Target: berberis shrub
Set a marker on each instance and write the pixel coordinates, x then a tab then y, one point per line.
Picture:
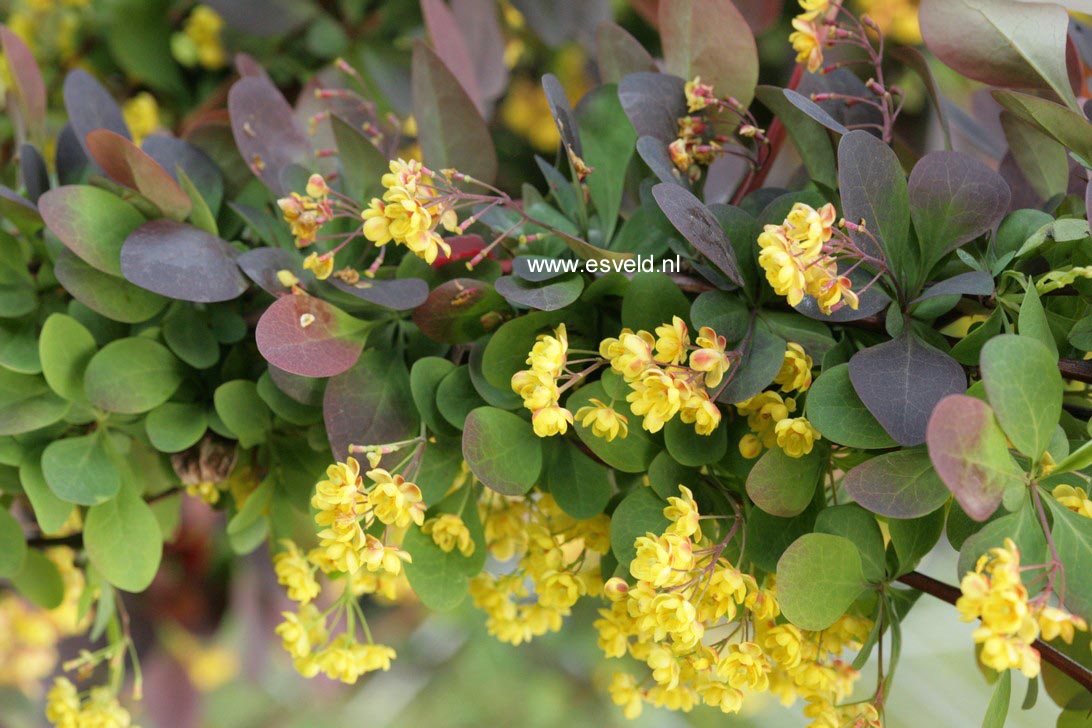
328	308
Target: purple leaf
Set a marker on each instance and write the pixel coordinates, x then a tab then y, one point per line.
480	26
171	153
261	266
971	283
32	170
899	484
90	107
954	198
30	90
653	102
900	381
562	111
699	226
619	54
305	335
451	47
460	310
873	189
183	262
370	404
814	110
266	131
263	17
970	454
711	39
397	294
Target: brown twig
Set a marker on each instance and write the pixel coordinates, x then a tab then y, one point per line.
949	593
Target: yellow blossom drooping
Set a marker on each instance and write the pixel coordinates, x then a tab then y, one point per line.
604	420
682	590
538	385
394	500
409	212
672	341
995	594
295	573
449	532
807	41
1074	498
795	374
710	357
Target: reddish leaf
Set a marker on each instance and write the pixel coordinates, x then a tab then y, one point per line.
126	164
970	454
261	266
181	261
711	39
451	47
370	404
484	39
460	310
266	131
397	294
307	336
30	90
90	107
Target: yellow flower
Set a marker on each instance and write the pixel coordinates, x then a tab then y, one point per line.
295	573
750	446
604	421
448	531
763	412
778	256
321	265
1073	498
810	228
551	420
301	633
380	557
630	354
698	94
657	397
662	560
813	8
1054	622
558	590
745	666
701	412
795	374
711	357
203	29
625	692
549	352
63	704
831	291
796	436
141	114
682	511
671	342
395	501
805	41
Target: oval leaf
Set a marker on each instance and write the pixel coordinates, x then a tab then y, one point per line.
818	577
305	335
181	261
501	450
900	484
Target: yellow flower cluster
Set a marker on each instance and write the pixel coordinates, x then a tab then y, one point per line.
662	385
141	114
306	214
29	634
200	41
898	19
558	562
538	386
1074	498
49	28
810	33
345	507
449	532
995	594
100	709
793	256
410	211
768	412
604	421
709	634
691	150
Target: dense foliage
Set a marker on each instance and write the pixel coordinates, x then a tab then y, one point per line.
729	358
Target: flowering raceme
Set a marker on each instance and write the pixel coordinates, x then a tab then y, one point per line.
995	594
409	212
683	590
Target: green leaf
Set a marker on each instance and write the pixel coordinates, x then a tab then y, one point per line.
51	512
425	378
998	709
711	39
651	300
608	140
113	297
618	53
139	37
175	426
502	450
451	131
81	469
256	506
1013	44
26	403
809	137
201	216
132	375
362	165
243	411
665	475
1066	126
39	580
970	454
899	484
438	577
1043	161
506	352
836	411
783	486
818	577
284	406
1079	459
188	335
13	545
641	512
1072	534
580	485
456	396
65	347
630	454
1025	390
859	526
19	345
915	537
1032	321
690	448
91	222
123	541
